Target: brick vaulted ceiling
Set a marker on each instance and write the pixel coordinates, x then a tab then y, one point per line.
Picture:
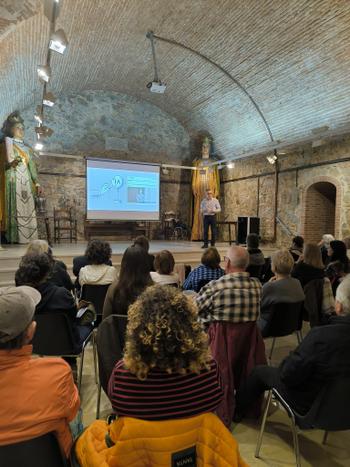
293	57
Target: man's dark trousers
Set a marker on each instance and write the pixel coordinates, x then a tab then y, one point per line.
209	221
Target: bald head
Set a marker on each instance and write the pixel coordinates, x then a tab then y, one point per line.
238	259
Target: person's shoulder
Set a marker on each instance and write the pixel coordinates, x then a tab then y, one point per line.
50	368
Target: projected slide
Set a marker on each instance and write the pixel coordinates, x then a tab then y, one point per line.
122	190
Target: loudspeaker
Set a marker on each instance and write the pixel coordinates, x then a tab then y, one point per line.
245	226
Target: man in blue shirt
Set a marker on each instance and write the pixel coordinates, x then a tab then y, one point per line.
209	208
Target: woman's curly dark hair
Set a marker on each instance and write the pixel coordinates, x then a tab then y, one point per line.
98	252
33	270
163	332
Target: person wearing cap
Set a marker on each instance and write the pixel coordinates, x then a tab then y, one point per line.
37	395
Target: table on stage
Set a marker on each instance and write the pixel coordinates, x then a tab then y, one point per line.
229	224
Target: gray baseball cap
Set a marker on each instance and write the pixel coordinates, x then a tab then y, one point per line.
17	307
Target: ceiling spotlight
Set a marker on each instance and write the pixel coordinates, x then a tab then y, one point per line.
44	72
230	165
43	131
51	9
38	117
156	85
58	41
49	99
272	159
38	146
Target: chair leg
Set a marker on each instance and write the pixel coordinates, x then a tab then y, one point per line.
299	337
94	350
80	376
272	347
325	436
98	404
295	441
263	422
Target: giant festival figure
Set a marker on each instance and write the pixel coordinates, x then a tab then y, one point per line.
18	184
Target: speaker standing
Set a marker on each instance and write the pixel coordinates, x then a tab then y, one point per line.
209	208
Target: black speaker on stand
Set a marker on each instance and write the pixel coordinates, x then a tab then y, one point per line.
245	226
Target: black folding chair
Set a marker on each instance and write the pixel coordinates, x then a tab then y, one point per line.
110	341
256	271
286	319
95	294
54	337
330	412
43	451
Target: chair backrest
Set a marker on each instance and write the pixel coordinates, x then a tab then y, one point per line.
331	408
53	335
95	294
255	270
286	318
110	345
313	291
63	214
43	451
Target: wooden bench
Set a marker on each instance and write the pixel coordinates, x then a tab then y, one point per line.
115	229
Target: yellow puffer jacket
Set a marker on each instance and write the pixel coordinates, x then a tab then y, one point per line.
140	443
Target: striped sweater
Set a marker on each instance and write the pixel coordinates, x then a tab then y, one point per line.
164	396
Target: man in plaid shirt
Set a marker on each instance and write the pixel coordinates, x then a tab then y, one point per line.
234	297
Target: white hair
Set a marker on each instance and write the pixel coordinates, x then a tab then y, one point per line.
327	239
343	294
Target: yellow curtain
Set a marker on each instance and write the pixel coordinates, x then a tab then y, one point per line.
202	179
2	186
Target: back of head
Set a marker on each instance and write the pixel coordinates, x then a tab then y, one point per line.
239	258
343	295
164	262
142	242
252	241
282	262
312	255
33	270
211	258
164	333
37	247
339	251
327	239
98	252
298	242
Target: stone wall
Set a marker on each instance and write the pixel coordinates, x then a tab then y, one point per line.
109	125
248	189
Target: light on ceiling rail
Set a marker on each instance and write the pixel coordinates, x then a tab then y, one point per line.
51	8
43	131
272	159
231	165
38	146
58	41
156	85
49	99
44	72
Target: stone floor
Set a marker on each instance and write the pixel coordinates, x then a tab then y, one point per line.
277	447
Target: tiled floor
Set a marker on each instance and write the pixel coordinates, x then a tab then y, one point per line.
277	448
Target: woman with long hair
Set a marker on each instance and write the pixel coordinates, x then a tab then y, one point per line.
134	277
167	371
309	265
338	265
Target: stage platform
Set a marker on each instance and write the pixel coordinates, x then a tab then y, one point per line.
184	252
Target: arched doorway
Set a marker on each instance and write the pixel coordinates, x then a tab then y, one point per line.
320	211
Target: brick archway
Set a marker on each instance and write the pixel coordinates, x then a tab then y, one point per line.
320	214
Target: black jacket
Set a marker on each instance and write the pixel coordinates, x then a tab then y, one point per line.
322	355
59	276
306	273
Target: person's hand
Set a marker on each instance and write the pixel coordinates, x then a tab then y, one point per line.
273	278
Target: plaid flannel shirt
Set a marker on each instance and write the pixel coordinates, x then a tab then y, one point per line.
234	297
201	273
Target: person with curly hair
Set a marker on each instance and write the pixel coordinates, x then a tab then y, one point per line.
98	271
167	371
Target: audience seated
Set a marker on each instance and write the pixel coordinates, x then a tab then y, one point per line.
338	264
323	355
34	271
282	288
230	306
38	394
256	256
209	270
143	242
235	297
164	269
134	277
167	371
59	275
296	250
309	265
324	245
98	271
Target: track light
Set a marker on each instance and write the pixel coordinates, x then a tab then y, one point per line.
43	131
272	159
44	72
58	41
49	99
230	165
52	9
38	146
38	118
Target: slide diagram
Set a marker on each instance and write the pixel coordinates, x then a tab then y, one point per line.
122	190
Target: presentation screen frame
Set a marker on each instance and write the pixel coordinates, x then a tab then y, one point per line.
102	159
